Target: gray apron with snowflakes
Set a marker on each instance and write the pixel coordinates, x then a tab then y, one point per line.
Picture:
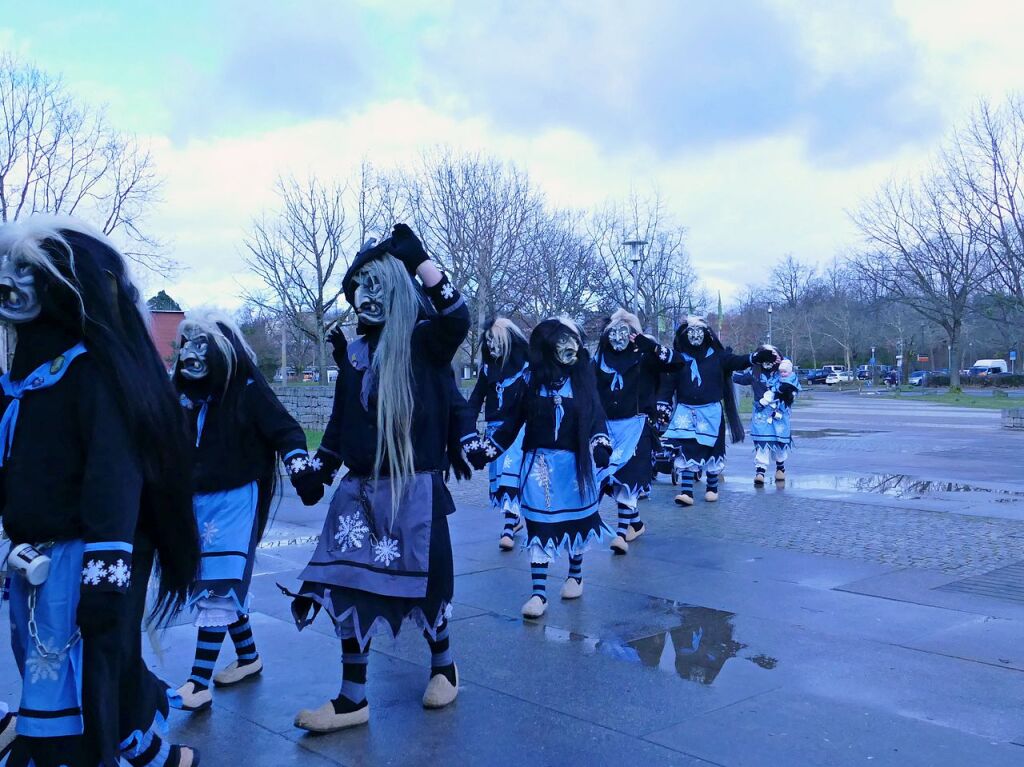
366	546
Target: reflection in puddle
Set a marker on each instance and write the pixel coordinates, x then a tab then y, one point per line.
695	649
900	486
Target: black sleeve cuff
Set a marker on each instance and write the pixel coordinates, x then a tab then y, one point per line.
444	296
107	566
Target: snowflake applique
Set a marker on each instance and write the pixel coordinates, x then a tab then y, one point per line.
664	353
474	444
45	667
447	291
119	574
93	573
386	550
490	450
351	532
297	464
210	532
315	463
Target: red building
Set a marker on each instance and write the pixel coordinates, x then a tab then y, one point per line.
165	315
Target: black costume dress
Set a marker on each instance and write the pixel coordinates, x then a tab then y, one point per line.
377	565
560	514
235	454
628	382
71	485
498	391
695	390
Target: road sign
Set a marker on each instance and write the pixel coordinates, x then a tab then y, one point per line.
1013	355
922	357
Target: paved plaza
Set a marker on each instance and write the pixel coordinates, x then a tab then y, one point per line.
869	613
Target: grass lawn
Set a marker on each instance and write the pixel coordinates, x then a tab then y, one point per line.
313	438
966	400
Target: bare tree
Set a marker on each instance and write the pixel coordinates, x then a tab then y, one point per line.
560	268
666	287
60	156
928	248
475	215
299	254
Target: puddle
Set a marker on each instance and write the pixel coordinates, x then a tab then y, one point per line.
829	432
695	649
901	486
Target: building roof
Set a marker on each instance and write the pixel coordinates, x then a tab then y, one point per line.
162	302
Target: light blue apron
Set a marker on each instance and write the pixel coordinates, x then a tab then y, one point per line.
702	423
51	693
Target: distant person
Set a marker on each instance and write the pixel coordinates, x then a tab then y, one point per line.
501	384
628	367
701	396
239	428
775	387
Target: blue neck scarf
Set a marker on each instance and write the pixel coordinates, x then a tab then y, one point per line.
499	388
565	390
694	370
43	377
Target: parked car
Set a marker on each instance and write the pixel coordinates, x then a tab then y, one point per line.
918	378
839	376
984	368
816	376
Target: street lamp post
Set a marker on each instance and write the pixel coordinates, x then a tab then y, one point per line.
635	246
769	323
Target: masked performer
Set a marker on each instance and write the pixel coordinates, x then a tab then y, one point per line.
565	443
500	386
775	387
239	429
385	552
702	399
95	485
628	369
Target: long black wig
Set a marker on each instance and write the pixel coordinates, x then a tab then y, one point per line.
87	289
711	341
546	371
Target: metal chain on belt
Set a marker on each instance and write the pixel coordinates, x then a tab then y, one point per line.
33	631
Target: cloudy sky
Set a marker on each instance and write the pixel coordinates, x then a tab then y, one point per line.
761	122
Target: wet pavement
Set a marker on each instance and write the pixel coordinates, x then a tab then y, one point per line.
869	612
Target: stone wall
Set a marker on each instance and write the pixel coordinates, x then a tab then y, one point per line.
1013	418
309	405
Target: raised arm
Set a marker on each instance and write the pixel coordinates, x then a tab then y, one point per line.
443	333
282	432
744	378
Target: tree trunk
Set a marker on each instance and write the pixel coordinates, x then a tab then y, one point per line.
321	348
955	352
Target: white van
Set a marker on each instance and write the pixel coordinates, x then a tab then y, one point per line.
833	368
988	367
